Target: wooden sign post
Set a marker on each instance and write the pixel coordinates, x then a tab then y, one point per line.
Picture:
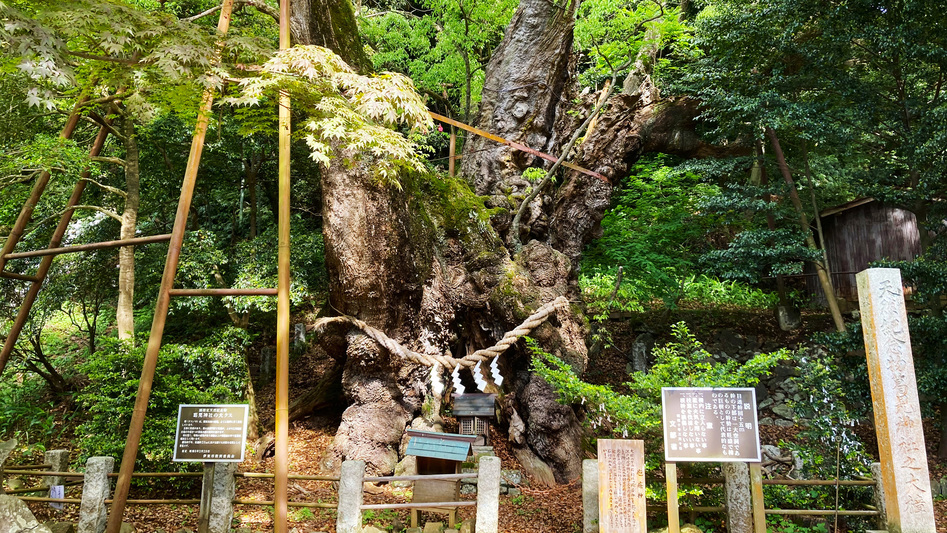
904	472
621	498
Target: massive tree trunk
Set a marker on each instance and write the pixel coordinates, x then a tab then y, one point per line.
329	23
432	266
524	86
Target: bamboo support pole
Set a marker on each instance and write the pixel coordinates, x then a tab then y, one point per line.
21	277
418	505
433	477
26	213
91	246
264	475
116	512
281	459
223	292
674	525
688	509
311	505
756	491
23	314
515	145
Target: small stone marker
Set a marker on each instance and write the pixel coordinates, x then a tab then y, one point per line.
894	399
211	433
57	492
621	497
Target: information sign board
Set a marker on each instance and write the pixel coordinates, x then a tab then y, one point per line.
57	492
211	433
621	497
710	424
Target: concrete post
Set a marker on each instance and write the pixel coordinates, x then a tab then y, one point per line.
95	490
590	496
350	497
221	501
739	498
59	462
488	495
903	456
878	498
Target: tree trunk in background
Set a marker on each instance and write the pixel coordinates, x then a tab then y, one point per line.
329	23
824	279
124	313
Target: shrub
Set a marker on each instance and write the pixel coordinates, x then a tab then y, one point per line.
213	372
682	363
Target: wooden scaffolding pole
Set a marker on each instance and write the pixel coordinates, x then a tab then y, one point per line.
117	510
280	497
37	283
27	212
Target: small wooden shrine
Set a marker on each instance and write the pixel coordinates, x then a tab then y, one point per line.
474	413
438	453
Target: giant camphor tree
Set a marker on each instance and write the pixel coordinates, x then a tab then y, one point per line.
431	262
445	266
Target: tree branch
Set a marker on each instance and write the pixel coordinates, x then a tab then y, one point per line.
108	59
105	159
108	188
107	99
102	210
259	6
94	118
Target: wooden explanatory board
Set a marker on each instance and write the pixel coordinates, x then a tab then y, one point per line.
621	498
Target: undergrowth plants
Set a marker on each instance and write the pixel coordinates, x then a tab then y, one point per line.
680	363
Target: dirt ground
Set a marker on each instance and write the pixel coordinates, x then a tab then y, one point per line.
535	510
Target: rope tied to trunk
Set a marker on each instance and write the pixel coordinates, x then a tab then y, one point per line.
468	361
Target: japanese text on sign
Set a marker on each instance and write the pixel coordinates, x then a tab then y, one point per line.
705	424
211	433
621	486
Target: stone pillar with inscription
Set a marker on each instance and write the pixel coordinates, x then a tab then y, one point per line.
907	488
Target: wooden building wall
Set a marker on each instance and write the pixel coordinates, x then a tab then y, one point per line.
859	233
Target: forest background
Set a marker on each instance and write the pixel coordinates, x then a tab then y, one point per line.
721	128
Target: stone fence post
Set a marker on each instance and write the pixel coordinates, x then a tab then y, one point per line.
59	462
95	490
739	502
488	495
217	494
350	497
878	497
590	496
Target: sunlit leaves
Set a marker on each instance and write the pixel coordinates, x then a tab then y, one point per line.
443	48
121	46
347	111
610	32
